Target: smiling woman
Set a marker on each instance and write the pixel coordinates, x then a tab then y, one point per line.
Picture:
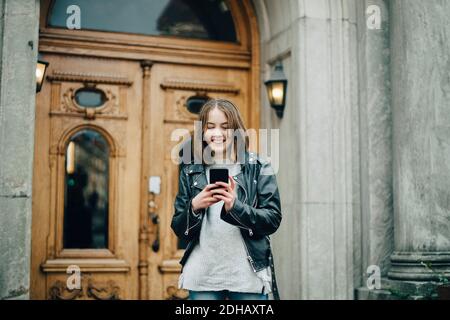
223	130
226	225
181	18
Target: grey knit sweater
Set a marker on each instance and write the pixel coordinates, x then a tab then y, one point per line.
219	260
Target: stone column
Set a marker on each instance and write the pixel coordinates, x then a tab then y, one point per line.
377	222
420	43
318	172
19	21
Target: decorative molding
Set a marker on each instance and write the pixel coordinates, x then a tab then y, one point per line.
59	291
199	86
409	265
60	76
178	122
59	147
181	109
146	65
110	291
86	265
230	57
95	290
67	105
89	113
176	294
170	266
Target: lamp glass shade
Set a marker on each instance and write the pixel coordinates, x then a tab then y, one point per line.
41	67
276	92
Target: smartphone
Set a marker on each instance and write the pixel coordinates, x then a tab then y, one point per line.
218	174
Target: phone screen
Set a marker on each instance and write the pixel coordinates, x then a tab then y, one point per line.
218	174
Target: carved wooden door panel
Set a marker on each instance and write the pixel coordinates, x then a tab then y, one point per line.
174	96
103	128
86	198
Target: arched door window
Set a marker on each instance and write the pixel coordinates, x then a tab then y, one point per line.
86	191
200	19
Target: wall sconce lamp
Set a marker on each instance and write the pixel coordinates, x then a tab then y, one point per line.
41	68
276	89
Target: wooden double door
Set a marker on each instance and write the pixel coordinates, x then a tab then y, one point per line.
104	180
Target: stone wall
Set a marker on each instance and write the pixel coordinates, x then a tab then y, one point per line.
319	168
18	50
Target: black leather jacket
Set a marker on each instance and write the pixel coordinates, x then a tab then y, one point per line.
256	210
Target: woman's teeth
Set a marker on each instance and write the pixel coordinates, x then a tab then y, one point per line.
218	141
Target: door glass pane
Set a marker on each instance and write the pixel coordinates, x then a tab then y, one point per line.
195	103
90	97
86	191
201	19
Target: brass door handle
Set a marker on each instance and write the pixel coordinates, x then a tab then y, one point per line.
154	188
155	221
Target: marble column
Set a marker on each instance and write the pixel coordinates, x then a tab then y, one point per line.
420	44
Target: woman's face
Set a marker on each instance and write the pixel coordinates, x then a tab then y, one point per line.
217	134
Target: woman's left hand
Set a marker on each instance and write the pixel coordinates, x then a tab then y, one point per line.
227	193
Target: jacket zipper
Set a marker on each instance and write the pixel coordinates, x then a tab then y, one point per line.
187	230
187	224
250	231
256	198
190	208
245	191
250	259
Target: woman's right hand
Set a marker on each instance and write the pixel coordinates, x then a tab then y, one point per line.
205	198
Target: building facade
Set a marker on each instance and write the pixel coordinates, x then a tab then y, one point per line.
364	140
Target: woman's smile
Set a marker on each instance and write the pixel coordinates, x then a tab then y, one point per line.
218	140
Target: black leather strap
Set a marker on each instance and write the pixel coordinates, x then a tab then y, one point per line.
276	294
